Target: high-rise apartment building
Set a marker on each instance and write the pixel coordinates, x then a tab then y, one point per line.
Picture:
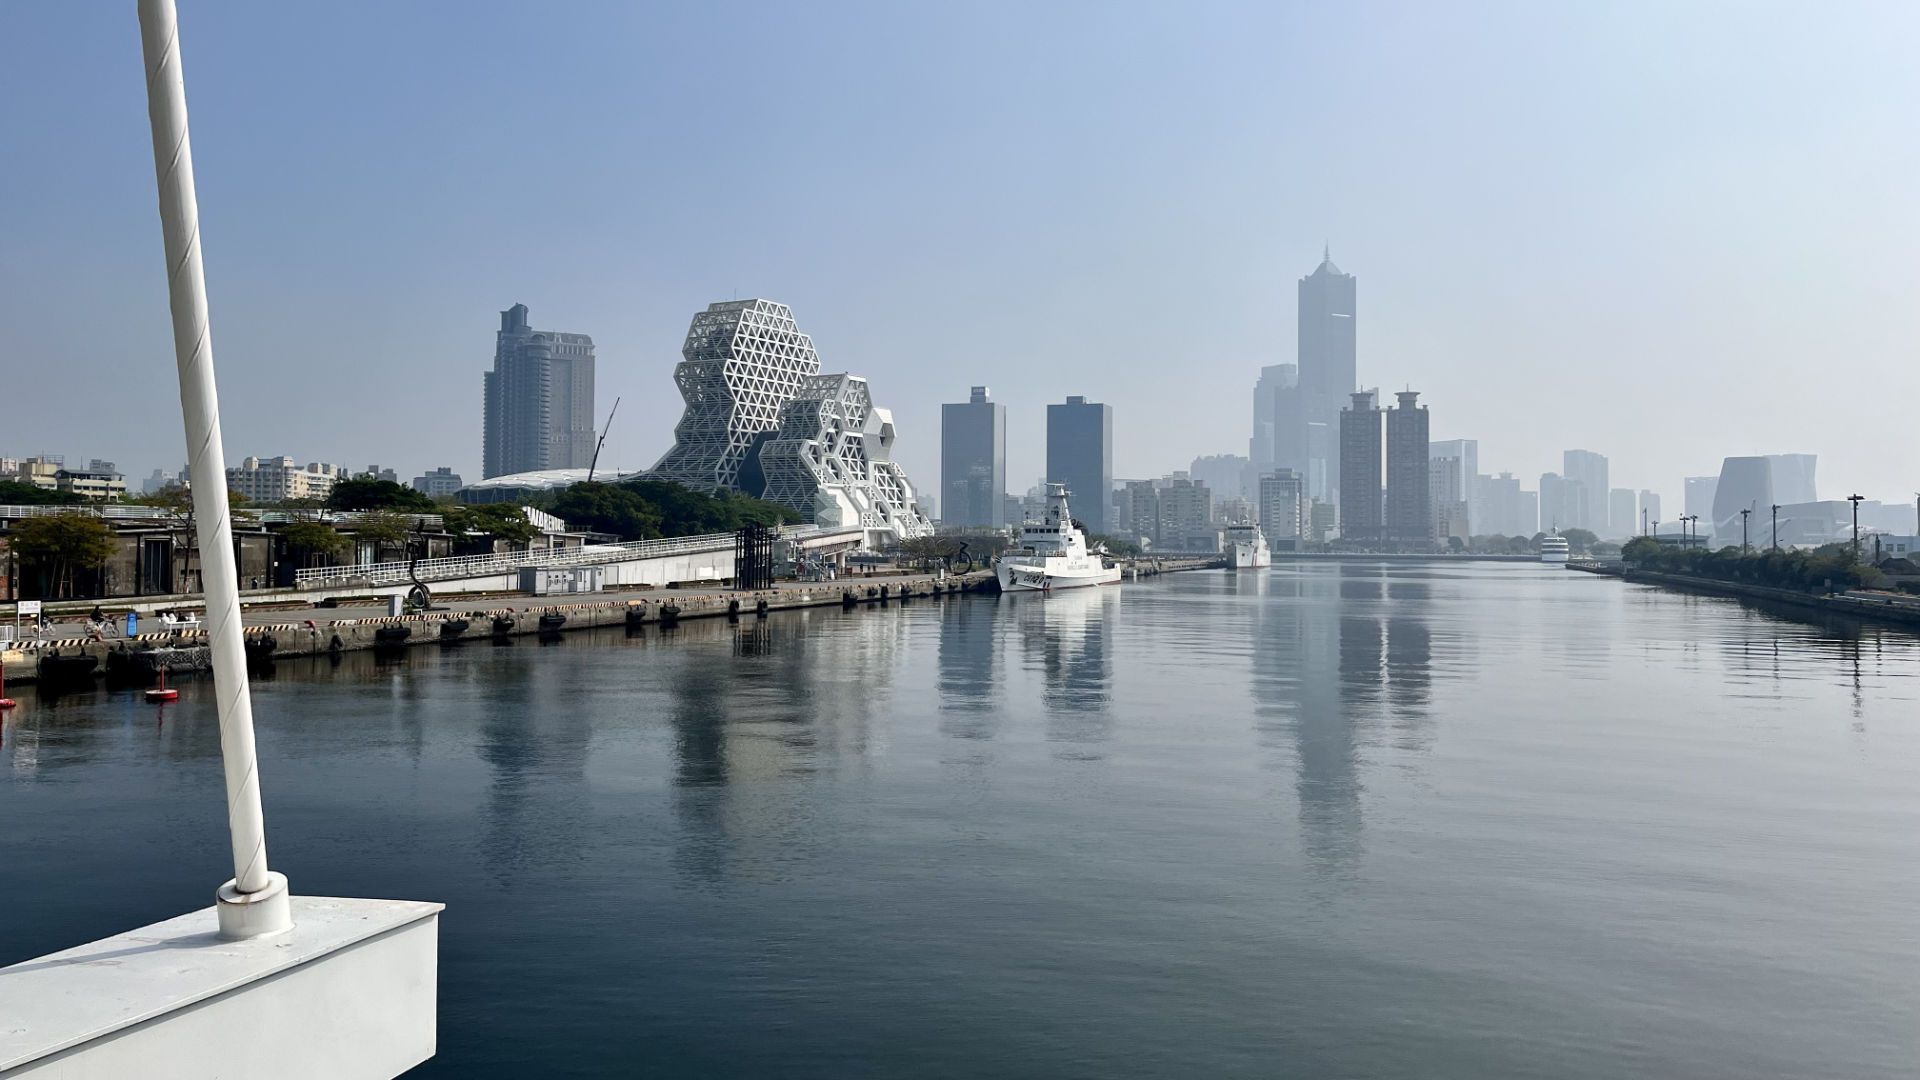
1224	474
1283	509
1466	454
1623	513
1274	398
1328	373
1409	505
1528	523
1186	515
1496	509
538	399
1448	498
1586	498
1362	519
1697	499
973	461
1553	502
1080	455
1650	507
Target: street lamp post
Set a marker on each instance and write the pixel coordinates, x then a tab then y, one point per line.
1775	528
1856	500
1743	529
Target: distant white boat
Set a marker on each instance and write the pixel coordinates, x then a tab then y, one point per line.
1247	548
1554	549
1052	553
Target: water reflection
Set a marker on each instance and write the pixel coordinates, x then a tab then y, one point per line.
1065	637
534	741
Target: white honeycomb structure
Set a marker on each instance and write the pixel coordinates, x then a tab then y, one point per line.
762	420
831	458
742	361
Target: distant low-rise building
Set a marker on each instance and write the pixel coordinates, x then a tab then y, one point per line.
440	483
100	481
265	481
41	470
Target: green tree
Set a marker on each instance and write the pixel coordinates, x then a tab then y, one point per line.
1640	550
311	542
59	544
1580	539
608	508
1456	545
14	493
384	529
367	493
174	500
489	524
1115	545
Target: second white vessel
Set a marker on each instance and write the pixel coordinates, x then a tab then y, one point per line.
1247	548
1052	553
1553	548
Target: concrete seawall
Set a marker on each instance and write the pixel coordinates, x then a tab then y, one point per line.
1889	611
306	637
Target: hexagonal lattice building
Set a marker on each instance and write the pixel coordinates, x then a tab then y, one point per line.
832	459
742	361
762	420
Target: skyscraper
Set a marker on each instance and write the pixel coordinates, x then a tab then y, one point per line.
1623	513
1466	456
1553	502
1586	496
1650	507
1361	510
973	461
1328	373
1274	393
1409	505
538	399
1080	455
1697	500
1224	474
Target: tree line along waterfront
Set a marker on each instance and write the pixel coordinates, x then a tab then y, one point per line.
1829	567
83	555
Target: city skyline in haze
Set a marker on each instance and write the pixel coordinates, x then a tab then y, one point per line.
1666	234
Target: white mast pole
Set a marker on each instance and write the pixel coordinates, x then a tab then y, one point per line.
255	901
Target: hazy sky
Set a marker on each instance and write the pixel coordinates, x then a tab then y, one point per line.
1667	232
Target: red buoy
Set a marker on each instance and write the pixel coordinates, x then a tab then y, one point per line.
161	693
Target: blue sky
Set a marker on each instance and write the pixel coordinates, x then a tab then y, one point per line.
1665	232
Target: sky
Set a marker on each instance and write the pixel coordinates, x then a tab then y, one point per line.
1667	232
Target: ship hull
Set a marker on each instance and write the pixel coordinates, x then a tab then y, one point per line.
1015	577
1249	557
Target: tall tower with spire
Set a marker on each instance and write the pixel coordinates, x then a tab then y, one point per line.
1327	372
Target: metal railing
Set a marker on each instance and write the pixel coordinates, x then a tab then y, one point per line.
459	566
242	515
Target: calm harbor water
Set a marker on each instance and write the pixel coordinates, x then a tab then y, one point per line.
1335	820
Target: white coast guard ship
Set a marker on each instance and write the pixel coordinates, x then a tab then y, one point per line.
1247	548
1052	553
